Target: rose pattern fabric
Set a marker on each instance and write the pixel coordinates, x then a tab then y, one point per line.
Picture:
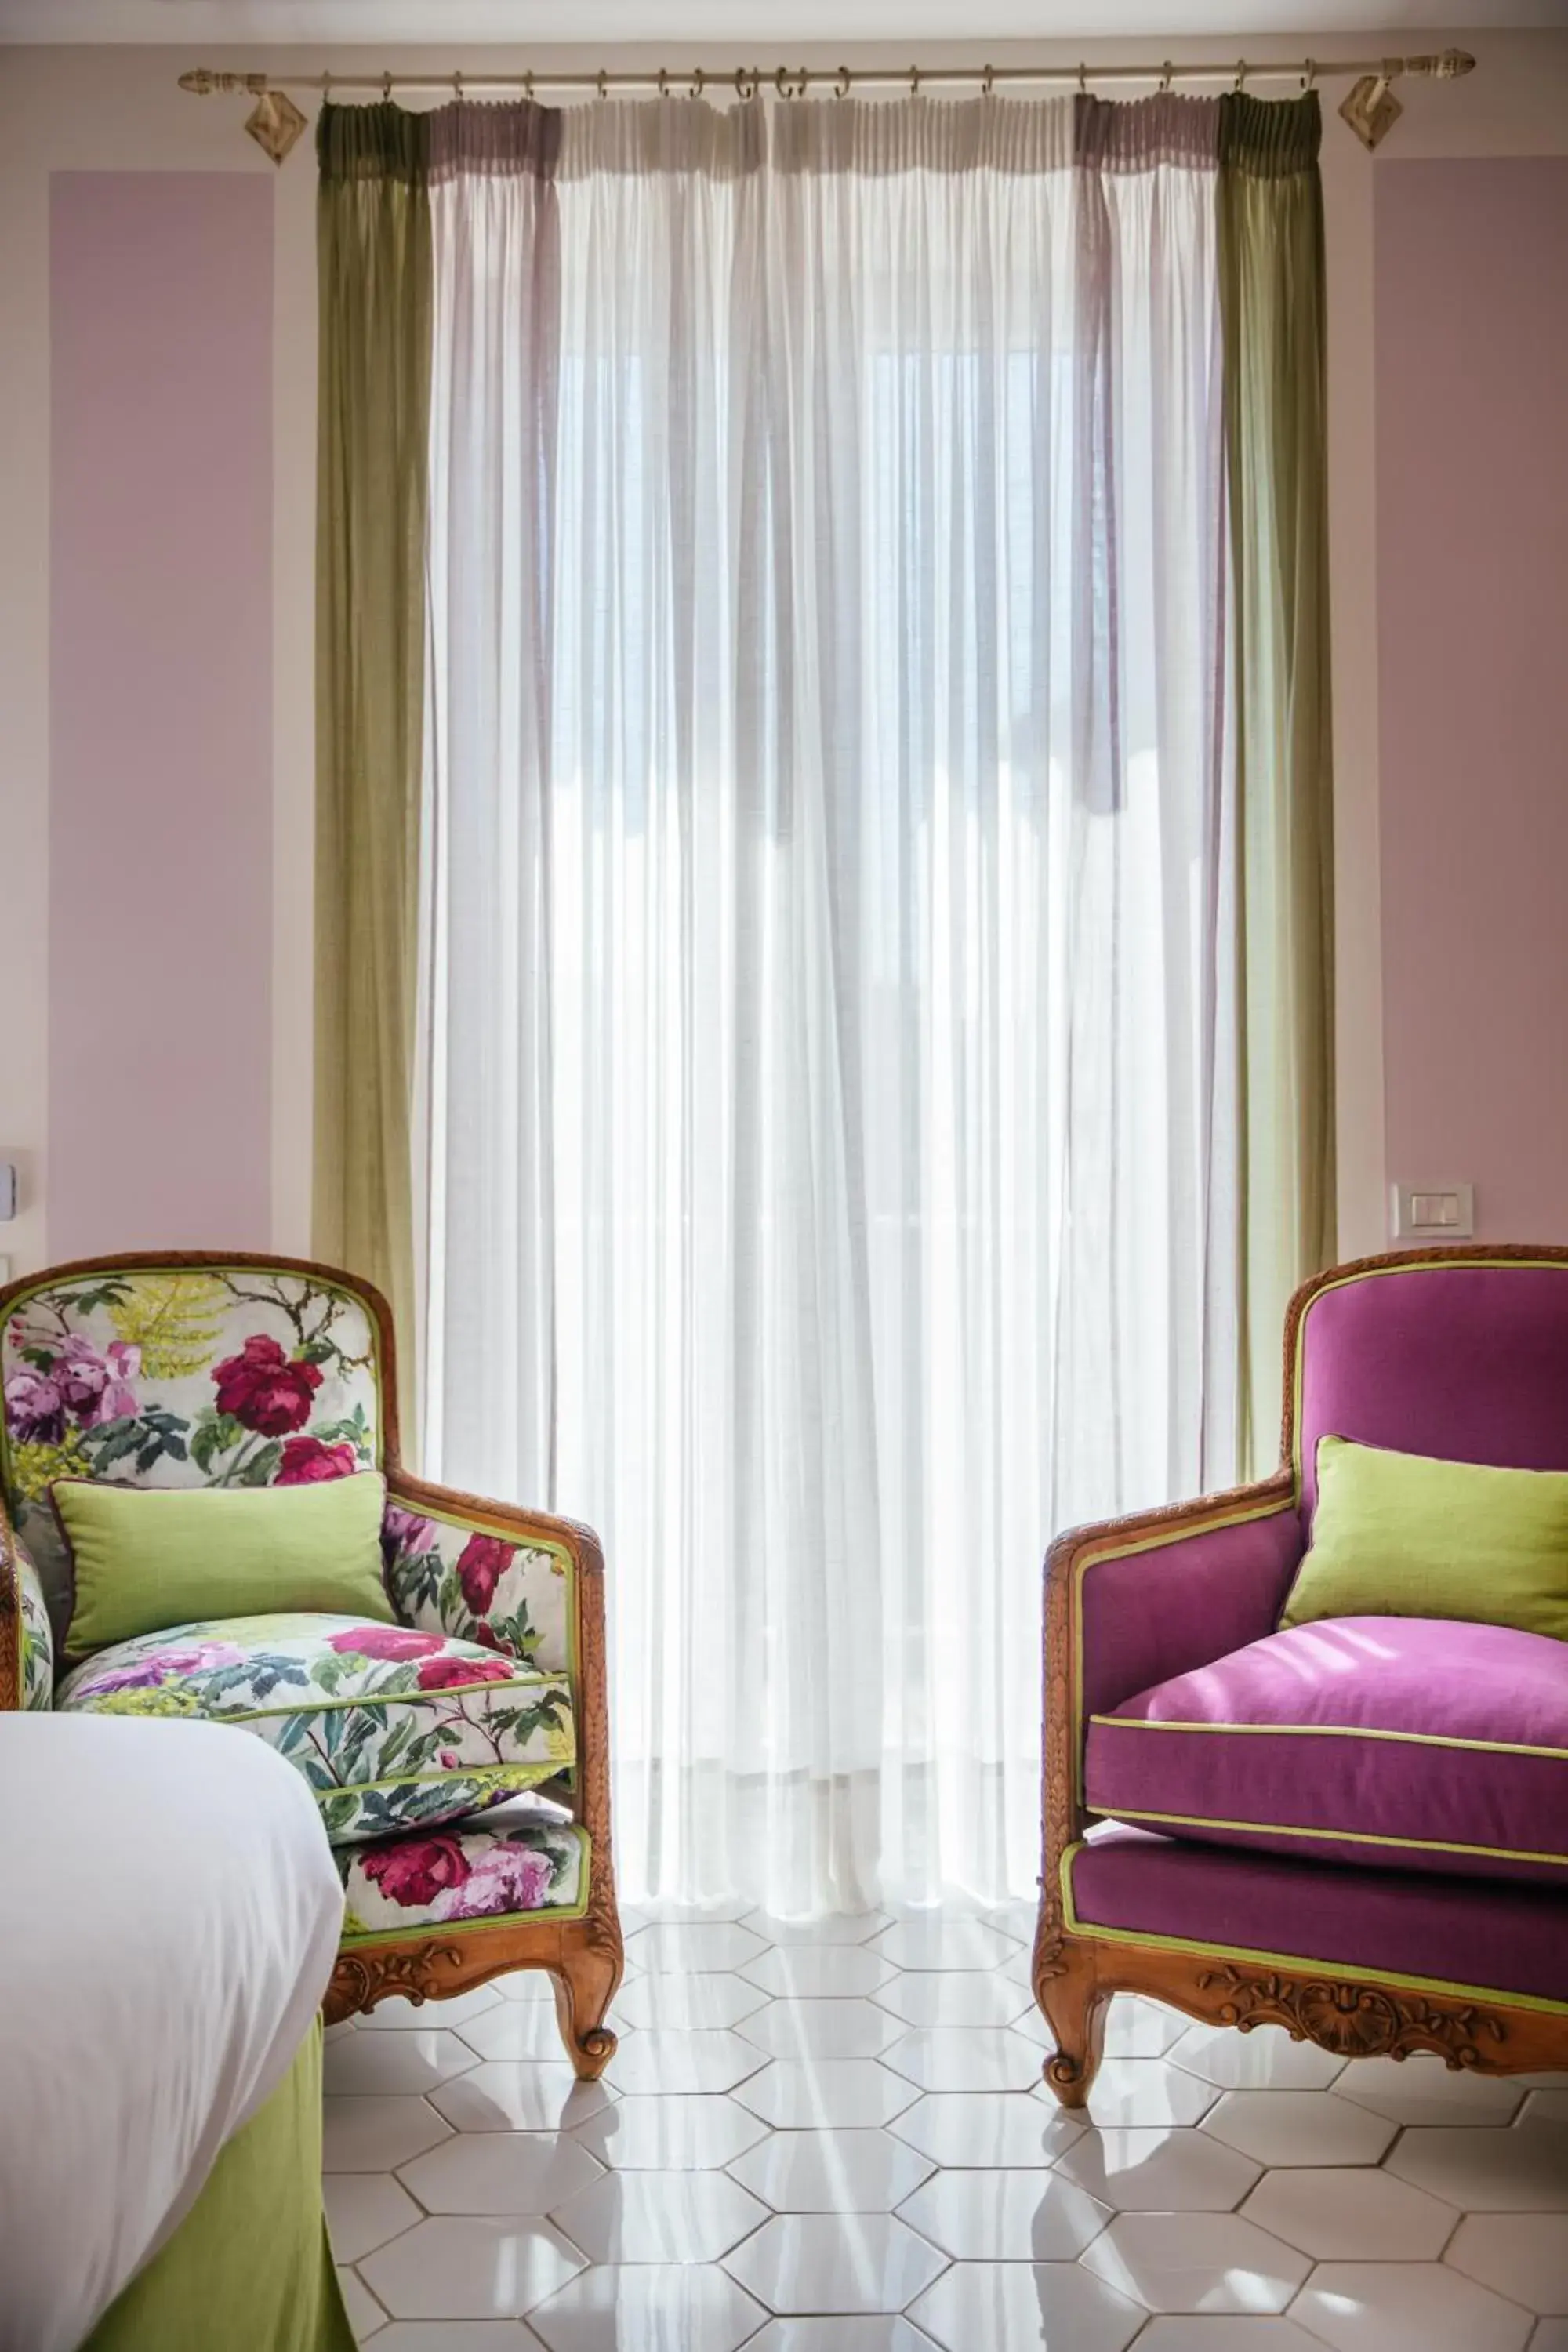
449	1577
182	1376
34	1639
393	1729
490	1870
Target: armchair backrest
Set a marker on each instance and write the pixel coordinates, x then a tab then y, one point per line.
1461	1353
186	1370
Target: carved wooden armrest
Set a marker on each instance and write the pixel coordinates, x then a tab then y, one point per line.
1131	1603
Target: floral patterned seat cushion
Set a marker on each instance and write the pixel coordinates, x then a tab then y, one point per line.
393	1728
514	1861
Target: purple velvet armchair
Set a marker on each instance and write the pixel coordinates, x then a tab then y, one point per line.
1357	1828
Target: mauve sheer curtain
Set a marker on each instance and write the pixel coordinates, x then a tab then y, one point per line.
827	1099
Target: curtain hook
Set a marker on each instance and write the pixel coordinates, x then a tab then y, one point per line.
458	88
780	83
386	89
1167	76
1082	79
914	81
326	85
804	83
528	86
1310	76
663	83
697	78
1240	82
988	82
603	83
841	88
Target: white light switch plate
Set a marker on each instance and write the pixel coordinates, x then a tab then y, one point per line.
1434	1211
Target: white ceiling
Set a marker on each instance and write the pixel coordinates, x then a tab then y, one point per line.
738	24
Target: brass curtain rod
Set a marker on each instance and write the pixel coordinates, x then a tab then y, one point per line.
789	81
1370	109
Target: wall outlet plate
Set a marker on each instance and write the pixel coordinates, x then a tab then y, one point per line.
1433	1211
7	1190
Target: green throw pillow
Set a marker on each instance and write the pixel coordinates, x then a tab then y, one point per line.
1400	1534
145	1557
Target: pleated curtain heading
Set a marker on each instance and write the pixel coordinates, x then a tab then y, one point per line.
823	887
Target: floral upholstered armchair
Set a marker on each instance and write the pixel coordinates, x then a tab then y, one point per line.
1356	1827
459	1753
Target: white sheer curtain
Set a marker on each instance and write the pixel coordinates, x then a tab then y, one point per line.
831	1084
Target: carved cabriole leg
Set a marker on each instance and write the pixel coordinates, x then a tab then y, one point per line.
1076	2006
585	1980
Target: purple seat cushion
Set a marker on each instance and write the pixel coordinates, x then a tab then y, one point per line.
1402	1743
1509	1941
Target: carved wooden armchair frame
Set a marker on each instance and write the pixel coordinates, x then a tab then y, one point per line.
580	1950
1079	1968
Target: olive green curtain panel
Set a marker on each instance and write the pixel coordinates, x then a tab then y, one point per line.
375	275
1272	305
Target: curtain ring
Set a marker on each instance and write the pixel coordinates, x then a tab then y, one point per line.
1240	82
988	82
1082	79
458	88
781	82
663	83
1167	75
326	85
841	88
804	82
386	89
698	80
914	81
603	83
1310	76
528	86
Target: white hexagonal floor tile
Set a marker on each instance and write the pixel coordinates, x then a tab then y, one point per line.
396	2012
838	1927
1197	2263
651	2307
1423	2090
1005	2217
456	2335
1547	2104
825	2262
512	2095
366	2316
1264	2059
659	2059
1406	2307
364	2210
704	1946
375	2134
1351	2214
394	2062
965	2058
1522	2255
1280	2128
1149	2169
669	2135
659	2217
1147	2091
470	2268
821	2029
995	2129
955	1997
831	2171
945	1943
711	1998
806	1971
1184	2334
1550	2336
501	2172
825	2094
868	2332
1018	2306
518	2029
1522	2170
1135	2028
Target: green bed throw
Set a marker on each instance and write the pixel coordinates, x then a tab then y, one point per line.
248	2269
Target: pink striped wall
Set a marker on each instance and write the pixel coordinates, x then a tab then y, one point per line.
161	710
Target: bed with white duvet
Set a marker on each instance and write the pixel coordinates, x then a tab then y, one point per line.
169	1917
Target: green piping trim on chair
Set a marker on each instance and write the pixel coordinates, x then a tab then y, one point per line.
1294	1962
555	1680
1158	1539
492	1775
1335	1731
1335	1837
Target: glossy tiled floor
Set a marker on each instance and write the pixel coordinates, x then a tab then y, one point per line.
834	2140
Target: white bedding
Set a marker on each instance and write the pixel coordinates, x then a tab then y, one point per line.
169	1915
